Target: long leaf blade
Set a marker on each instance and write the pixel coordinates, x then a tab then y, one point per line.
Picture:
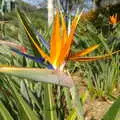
49	104
23	106
4	112
73	115
39	75
114	111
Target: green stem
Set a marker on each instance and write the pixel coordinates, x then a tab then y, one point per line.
77	103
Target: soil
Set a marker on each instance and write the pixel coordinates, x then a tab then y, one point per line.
94	108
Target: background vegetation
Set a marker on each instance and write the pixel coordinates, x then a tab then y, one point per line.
97	82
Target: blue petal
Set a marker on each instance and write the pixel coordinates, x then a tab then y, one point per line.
50	66
42	40
39	60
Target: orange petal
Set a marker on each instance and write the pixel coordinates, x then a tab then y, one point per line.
113	19
88	59
64	31
64	38
55	44
67	46
71	35
84	52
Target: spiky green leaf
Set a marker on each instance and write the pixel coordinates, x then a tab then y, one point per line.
4	112
114	111
26	111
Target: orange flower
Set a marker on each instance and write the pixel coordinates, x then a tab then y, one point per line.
113	19
58	54
60	44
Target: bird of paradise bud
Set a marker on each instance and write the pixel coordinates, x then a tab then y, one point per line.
59	52
113	19
13	45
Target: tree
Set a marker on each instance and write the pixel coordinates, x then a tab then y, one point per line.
105	3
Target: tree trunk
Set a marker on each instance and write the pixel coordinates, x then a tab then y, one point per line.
50	12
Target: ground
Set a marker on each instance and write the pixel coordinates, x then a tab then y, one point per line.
94	108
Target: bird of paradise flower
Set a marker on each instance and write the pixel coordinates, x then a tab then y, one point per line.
113	19
59	52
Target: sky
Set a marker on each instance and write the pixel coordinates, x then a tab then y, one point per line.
33	2
88	3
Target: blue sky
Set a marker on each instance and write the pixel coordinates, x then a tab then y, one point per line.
88	3
33	2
